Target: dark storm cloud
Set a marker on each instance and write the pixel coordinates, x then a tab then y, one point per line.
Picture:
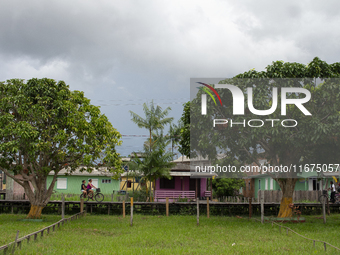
143	50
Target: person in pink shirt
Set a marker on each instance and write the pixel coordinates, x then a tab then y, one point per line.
89	189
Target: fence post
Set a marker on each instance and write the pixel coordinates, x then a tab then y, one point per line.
15	243
198	212
124	209
328	210
167	207
250	208
262	206
324	210
81	205
131	206
63	206
208	212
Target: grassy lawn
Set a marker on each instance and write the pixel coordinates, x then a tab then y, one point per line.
178	235
10	224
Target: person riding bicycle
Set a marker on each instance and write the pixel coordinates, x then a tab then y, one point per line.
83	188
332	188
89	188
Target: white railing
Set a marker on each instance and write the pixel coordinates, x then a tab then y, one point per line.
174	194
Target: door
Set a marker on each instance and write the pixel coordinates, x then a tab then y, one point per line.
195	185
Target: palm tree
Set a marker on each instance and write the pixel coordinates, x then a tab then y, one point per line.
155	118
156	163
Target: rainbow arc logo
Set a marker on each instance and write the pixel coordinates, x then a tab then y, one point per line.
206	90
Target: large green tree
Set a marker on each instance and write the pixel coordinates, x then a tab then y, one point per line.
185	131
279	145
45	127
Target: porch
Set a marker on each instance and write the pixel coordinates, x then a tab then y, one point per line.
181	187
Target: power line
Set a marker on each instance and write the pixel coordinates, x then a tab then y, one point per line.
162	99
148	136
139	104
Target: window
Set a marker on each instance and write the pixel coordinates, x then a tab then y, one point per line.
167	184
129	184
271	183
106	180
61	183
259	184
266	184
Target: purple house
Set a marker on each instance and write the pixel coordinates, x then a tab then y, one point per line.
182	185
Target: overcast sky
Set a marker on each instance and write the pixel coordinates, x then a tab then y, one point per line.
125	53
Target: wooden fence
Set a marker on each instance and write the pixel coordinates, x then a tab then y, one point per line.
159	208
34	235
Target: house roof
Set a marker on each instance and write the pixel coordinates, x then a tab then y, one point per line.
300	175
131	173
102	171
198	175
185	159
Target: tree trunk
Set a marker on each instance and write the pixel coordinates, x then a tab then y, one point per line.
150	191
40	196
146	187
287	186
35	212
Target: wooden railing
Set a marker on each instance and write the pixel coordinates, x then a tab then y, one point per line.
162	194
207	193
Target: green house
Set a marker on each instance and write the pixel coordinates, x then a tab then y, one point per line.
306	181
71	183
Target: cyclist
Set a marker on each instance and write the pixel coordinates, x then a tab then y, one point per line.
89	188
332	188
83	188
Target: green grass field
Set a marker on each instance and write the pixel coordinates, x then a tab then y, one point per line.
11	223
173	235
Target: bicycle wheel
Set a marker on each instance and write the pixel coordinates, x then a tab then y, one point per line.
99	197
85	198
323	199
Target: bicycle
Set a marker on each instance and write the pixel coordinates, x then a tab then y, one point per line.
324	197
99	197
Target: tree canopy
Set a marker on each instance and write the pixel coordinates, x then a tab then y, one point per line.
185	131
45	127
155	118
273	140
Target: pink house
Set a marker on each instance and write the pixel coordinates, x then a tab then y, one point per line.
183	184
